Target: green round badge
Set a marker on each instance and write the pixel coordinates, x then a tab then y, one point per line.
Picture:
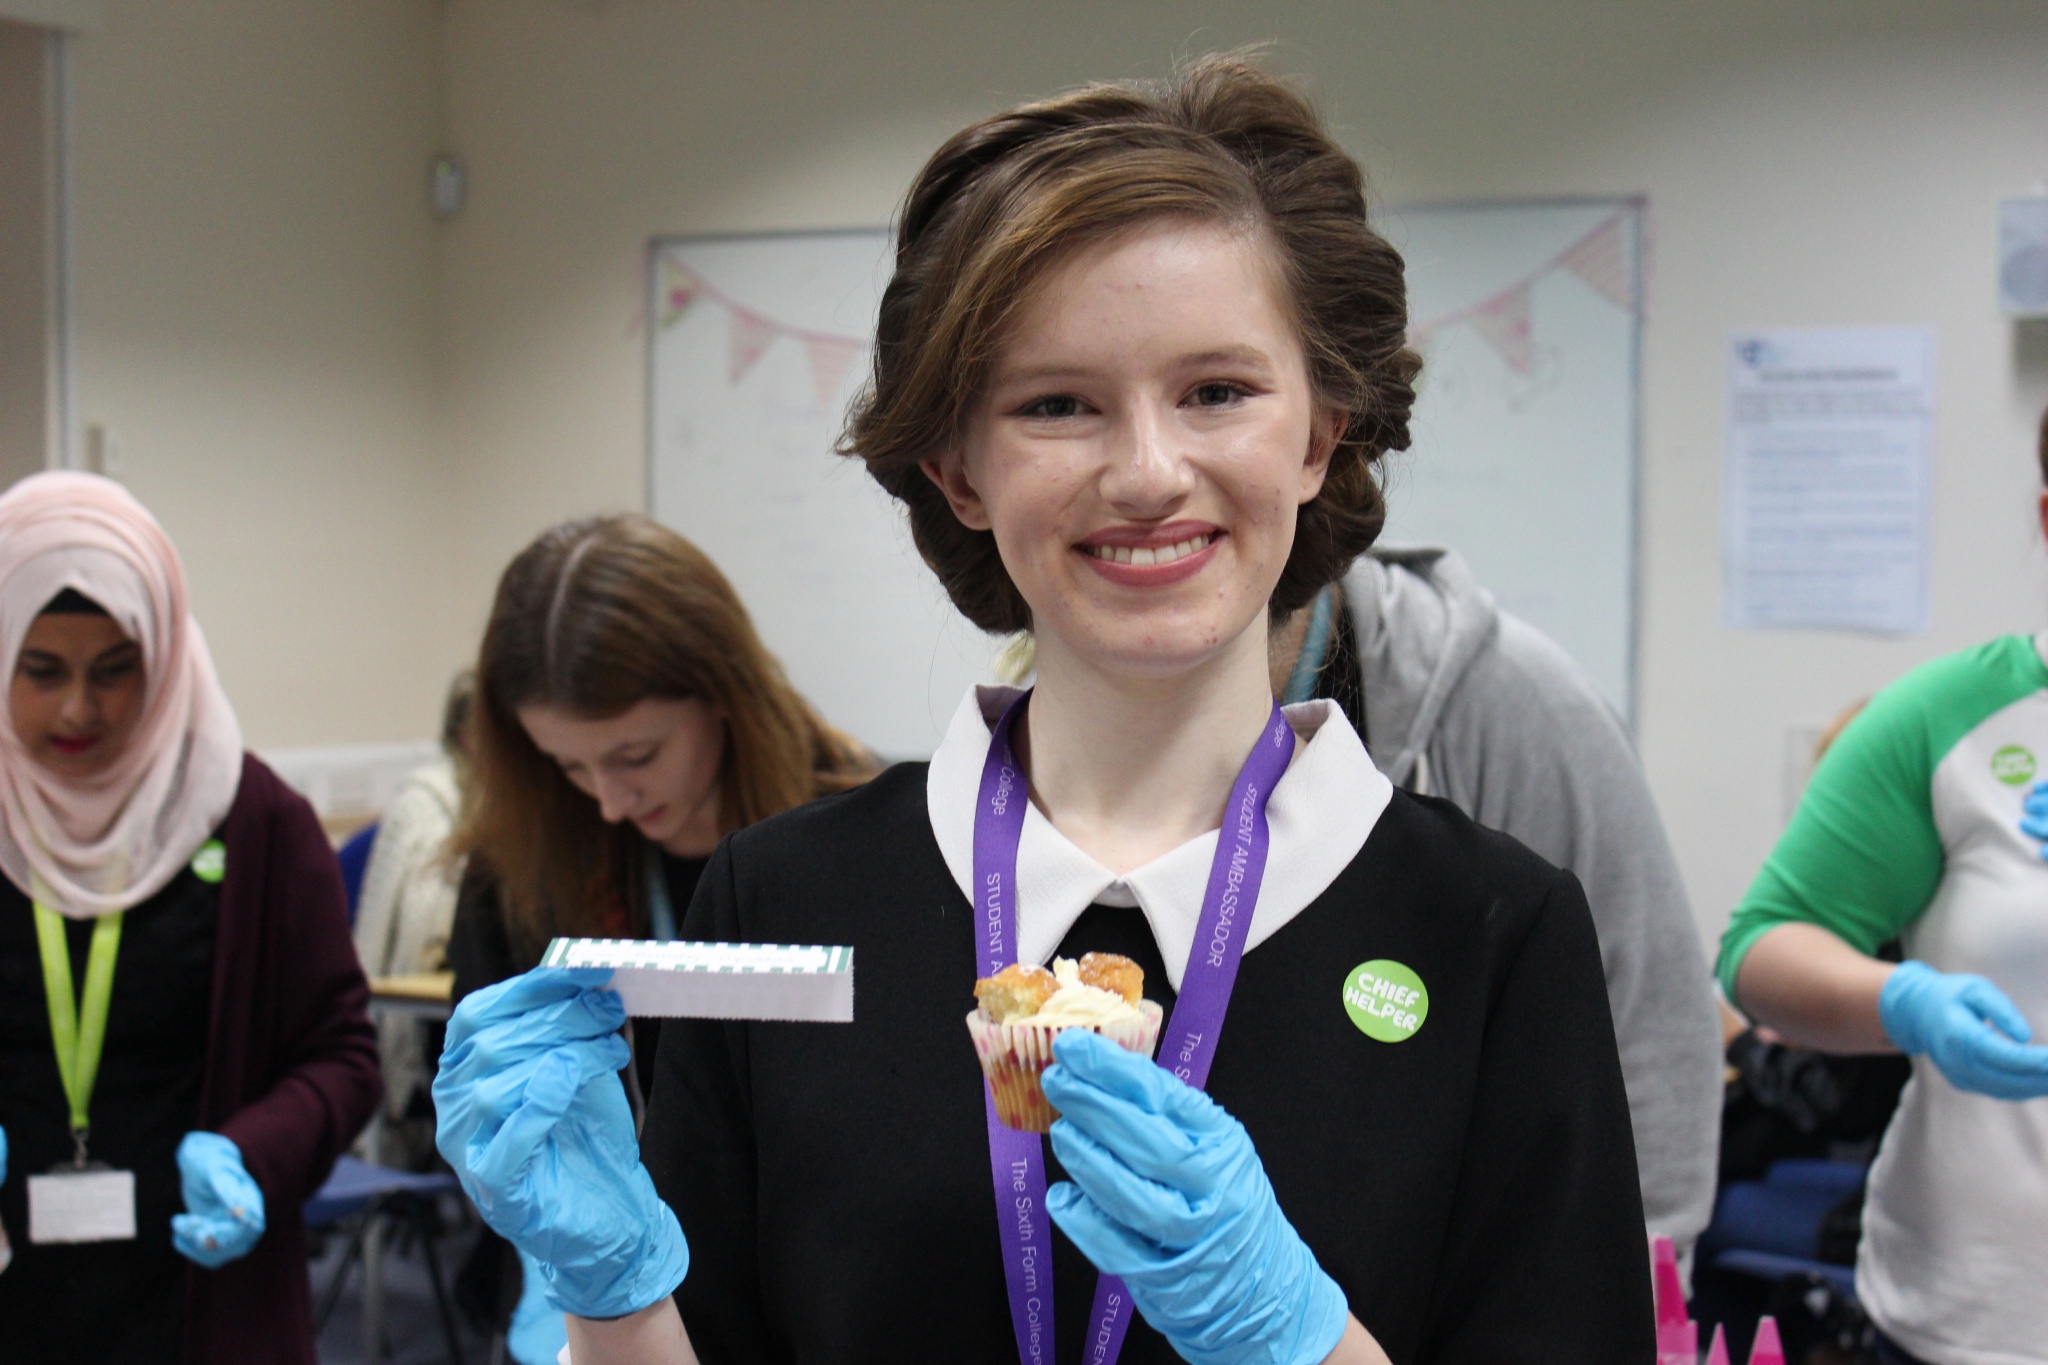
1386	1000
2013	764
210	863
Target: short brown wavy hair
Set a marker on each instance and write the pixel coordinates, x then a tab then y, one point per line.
1008	198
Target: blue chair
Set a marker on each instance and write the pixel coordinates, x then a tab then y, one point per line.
367	1194
354	856
1769	1229
1764	1265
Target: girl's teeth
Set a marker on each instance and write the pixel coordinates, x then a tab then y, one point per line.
1164	554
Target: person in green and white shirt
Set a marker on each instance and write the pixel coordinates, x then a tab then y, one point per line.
1912	829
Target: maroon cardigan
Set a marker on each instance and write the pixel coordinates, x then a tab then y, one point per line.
291	1064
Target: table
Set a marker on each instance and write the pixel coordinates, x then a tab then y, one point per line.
416	995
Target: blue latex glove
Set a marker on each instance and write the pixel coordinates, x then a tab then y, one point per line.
224	1207
2034	817
535	1122
1168	1193
538	1331
1967	1027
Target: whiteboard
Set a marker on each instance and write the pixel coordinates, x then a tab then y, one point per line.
1529	319
757	343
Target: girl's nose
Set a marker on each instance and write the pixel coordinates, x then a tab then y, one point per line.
614	801
1148	474
79	708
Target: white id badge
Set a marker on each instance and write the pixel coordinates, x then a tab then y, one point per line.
81	1206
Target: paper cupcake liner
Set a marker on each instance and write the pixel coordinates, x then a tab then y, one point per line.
1014	1058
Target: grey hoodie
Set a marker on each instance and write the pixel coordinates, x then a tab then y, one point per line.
1465	702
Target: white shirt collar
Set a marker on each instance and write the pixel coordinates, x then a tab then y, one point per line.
1320	813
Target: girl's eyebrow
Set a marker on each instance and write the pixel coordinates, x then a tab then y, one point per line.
1041	374
1249	357
619	749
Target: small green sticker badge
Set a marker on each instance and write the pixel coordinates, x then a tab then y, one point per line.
210	863
1386	1000
2013	764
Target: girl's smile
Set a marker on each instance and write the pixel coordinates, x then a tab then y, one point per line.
1140	556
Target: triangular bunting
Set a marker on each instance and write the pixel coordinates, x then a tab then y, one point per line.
1717	1351
679	290
1600	258
1504	321
831	358
751	335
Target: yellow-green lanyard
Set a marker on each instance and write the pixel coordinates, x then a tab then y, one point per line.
79	1028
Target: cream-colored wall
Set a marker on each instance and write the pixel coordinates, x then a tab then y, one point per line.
24	252
256	292
1815	163
350	416
1848	182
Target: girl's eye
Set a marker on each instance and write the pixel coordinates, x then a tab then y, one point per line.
1217	393
109	673
638	760
1052	405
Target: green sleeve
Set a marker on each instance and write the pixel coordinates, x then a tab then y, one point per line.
1861	857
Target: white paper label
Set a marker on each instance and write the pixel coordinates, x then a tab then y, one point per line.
1828	479
81	1206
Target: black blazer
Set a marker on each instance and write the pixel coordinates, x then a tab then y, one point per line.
1472	1189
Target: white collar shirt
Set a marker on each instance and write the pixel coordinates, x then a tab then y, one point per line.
1321	811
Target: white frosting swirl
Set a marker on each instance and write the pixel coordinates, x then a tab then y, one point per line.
1077	1004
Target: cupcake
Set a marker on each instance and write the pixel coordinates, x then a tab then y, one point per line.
1023	1008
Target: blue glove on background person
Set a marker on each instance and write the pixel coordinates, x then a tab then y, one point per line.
1168	1193
2034	817
533	1118
1967	1027
224	1207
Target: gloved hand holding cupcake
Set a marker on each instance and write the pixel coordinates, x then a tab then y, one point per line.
1024	1007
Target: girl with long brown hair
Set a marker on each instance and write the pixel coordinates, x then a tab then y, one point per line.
627	717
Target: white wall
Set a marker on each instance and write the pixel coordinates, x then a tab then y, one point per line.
1846	182
256	292
350	418
1807	163
25	295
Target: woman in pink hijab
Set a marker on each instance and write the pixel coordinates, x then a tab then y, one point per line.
183	1043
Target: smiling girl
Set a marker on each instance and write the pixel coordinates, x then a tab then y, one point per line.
1139	357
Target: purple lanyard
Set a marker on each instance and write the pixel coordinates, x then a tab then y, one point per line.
1186	1046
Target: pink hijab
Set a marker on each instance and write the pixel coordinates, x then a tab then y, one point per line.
87	848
